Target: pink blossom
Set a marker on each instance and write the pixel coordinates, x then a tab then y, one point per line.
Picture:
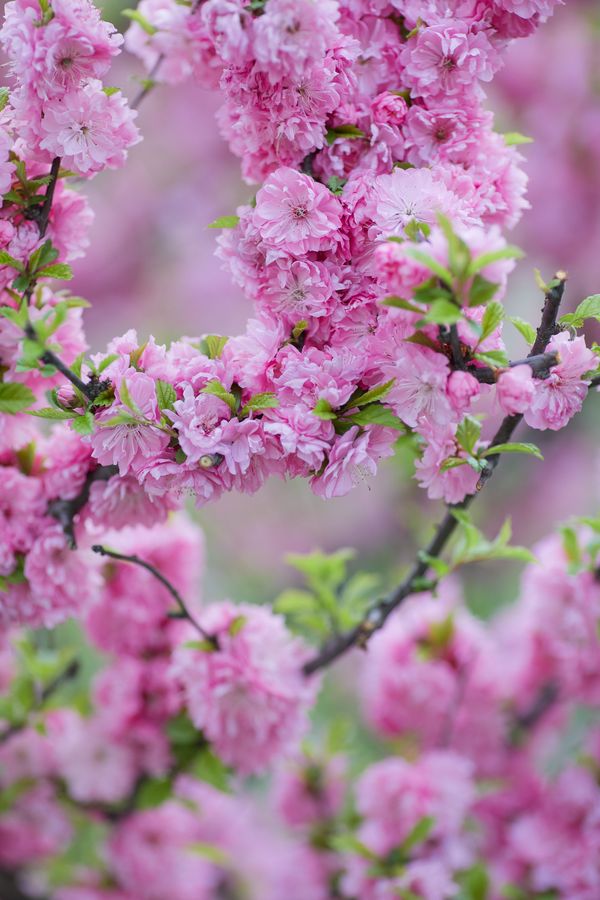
248	695
310	791
515	389
89	129
296	214
353	457
462	389
560	396
419	393
140	438
448	59
451	485
407	195
292	33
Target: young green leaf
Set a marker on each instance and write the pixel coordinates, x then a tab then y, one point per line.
260	401
58	270
323	409
141	20
467	433
165	395
432	264
587	309
524	328
217	390
441	312
482	290
225	222
492	317
15	397
529	449
83	424
375	414
486	259
514	138
376	393
50	412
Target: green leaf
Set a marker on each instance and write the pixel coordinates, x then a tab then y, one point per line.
486	259
459	255
474	883
105	363
217	390
225	222
4	95
349	843
51	412
376	393
236	625
152	793
467	433
418	834
529	449
452	462
15	397
375	414
493	358
343	131
514	138
207	767
166	394
141	20
587	309
442	312
83	424
492	317
212	345
524	328
210	852
441	271
482	290
7	260
323	410
260	401
400	303
336	185
204	645
58	270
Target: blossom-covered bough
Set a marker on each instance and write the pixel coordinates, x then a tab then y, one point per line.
374	257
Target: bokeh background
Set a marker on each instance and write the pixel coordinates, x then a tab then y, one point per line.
151	266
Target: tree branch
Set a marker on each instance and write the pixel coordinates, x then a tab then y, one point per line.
378	614
540	368
10	890
64	511
185	613
67	674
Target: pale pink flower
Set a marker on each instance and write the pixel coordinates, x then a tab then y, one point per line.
407	195
448	59
293	33
419	393
452	485
352	459
462	389
296	214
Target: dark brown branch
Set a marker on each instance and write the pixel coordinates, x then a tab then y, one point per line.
527	720
185	613
64	511
44	217
540	368
148	82
378	614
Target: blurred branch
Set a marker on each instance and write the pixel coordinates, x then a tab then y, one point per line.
184	611
378	614
71	671
10	890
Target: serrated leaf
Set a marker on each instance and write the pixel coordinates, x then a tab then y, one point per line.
467	433
370	396
225	222
50	412
7	260
524	329
459	255
58	270
260	401
4	95
165	395
83	424
452	462
14	397
529	449
587	309
492	317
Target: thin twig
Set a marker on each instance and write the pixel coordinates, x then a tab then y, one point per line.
71	671
378	614
540	368
123	557
149	82
44	217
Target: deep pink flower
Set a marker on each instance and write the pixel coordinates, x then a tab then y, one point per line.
560	396
515	389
